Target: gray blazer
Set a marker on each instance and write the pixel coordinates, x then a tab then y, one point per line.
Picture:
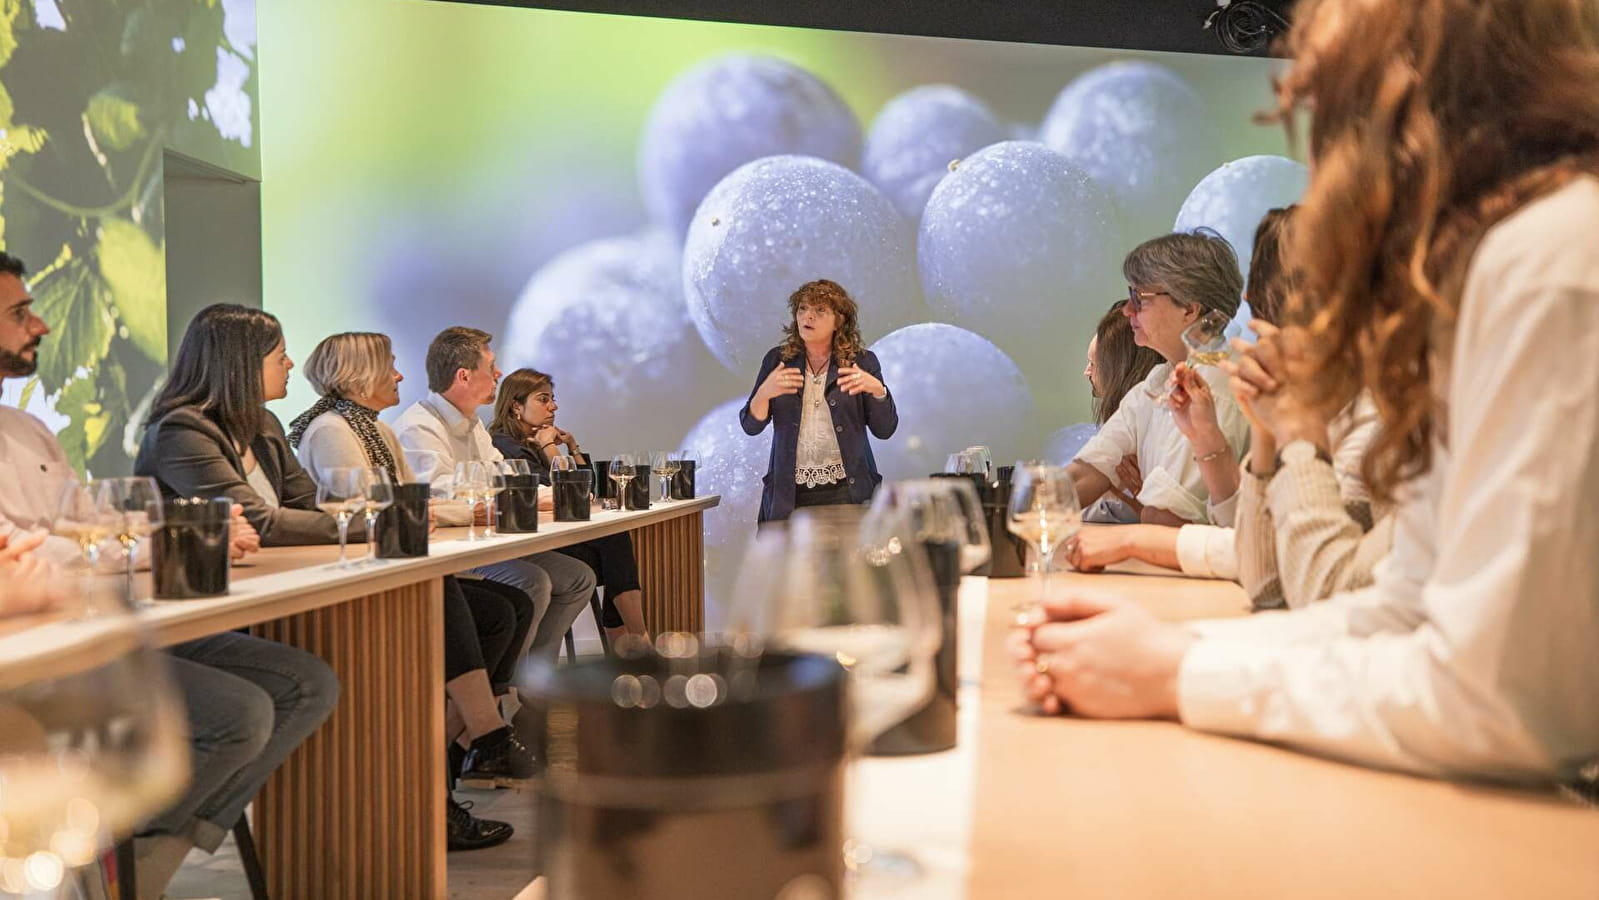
188	454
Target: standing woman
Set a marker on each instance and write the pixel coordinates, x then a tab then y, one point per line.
823	390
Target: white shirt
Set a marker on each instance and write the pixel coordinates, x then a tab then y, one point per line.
817	460
435	436
1142	427
33	469
1476	650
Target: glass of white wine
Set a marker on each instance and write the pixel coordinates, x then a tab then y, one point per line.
377	496
93	741
661	467
1206	340
493	484
1044	512
133	507
341	493
623	470
470	484
85	517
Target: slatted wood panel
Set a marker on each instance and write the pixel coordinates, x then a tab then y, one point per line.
671	564
357	812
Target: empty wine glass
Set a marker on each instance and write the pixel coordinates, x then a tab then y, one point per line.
825	586
1206	340
93	743
983	461
341	493
971	528
133	509
378	496
1044	512
518	466
623	469
468	484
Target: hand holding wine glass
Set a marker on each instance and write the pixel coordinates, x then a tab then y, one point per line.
1206	340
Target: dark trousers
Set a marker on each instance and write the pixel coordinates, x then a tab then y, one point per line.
485	625
615	569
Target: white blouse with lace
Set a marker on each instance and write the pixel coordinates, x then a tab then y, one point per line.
818	461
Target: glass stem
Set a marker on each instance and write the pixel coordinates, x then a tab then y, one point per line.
344	536
371	536
1046	557
471	520
493	508
133	601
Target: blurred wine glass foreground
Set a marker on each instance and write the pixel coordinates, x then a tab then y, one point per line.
93	736
835	585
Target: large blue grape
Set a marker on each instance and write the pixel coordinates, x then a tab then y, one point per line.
728	111
953	389
918	135
607	320
1064	445
1141	131
1020	245
777	223
730	463
1234	198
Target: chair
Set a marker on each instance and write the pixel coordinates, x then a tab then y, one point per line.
599	625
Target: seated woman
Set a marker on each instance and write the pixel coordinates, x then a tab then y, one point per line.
1116	365
1173	280
485	624
1315	518
250	701
1450	258
524	428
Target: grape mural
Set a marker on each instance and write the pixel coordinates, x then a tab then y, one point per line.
921	136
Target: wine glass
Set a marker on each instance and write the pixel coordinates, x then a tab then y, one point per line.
1206	340
84	516
623	469
984	462
133	508
93	743
829	586
661	467
378	496
1044	512
517	466
968	526
493	483
340	492
469	484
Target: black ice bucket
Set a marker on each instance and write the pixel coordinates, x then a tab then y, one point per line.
571	488
189	552
402	529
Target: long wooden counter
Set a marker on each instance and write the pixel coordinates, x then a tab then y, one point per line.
1069	807
357	812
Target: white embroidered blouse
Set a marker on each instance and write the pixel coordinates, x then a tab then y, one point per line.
818	461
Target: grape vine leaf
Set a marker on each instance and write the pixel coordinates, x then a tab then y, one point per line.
70	300
134	269
114	120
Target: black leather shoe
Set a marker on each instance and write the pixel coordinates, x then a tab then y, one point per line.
468	832
498	759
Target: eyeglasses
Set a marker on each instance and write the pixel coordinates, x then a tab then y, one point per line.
1137	298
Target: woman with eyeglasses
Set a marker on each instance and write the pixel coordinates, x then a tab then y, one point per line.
823	392
1173	280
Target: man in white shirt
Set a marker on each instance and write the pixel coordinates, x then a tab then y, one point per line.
250	701
443	429
1173	280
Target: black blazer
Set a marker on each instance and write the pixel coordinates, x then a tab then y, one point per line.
852	418
190	456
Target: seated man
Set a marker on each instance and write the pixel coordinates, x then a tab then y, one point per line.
250	701
1173	280
443	429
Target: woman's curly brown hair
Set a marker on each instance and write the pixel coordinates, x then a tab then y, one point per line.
1429	121
847	343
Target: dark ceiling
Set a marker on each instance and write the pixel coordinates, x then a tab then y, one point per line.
1170	25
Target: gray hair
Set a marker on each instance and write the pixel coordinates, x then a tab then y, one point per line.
351	364
1197	269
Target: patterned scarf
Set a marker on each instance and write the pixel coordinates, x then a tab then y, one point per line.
363	421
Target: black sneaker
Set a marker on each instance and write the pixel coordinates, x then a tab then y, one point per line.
498	759
468	832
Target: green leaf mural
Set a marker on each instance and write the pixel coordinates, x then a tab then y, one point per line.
134	269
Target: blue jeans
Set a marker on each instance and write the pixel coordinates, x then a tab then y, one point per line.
251	702
559	587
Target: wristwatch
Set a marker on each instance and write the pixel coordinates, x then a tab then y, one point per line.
1302	451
